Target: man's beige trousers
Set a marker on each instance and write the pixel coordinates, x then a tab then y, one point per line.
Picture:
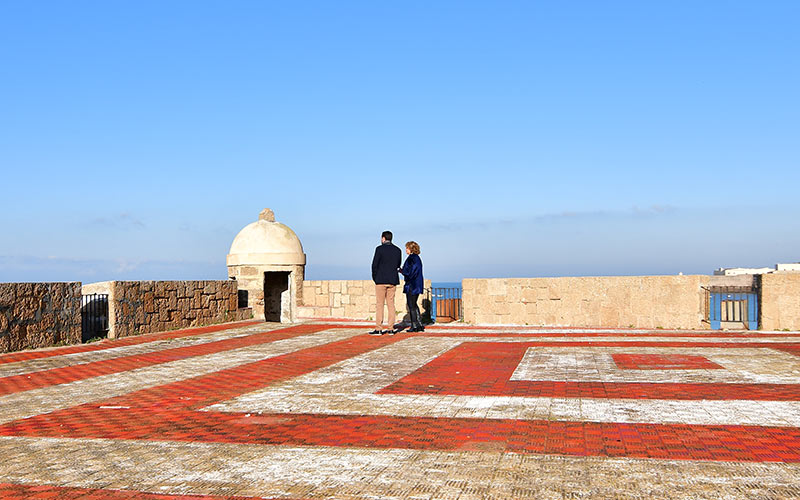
384	294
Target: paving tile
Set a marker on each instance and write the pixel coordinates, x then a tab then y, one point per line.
66	374
111	350
13	357
326	411
24	404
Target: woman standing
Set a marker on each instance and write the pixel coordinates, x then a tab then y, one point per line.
414	284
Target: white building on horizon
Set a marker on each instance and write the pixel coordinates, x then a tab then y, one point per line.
736	271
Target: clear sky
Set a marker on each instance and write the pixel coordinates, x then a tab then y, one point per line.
508	138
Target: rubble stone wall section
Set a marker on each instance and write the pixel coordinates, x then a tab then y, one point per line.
614	301
138	307
34	315
348	299
780	301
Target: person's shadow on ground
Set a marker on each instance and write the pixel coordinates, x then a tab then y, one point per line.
424	313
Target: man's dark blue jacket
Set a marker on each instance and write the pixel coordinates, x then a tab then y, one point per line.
385	264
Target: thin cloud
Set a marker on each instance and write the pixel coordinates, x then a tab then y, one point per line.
120	221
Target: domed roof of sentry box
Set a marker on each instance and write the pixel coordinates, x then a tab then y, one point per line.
266	242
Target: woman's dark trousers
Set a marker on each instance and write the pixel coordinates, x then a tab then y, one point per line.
413	310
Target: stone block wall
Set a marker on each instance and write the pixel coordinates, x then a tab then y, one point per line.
34	315
780	301
137	307
614	301
347	299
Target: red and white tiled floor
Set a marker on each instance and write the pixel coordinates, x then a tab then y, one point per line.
255	410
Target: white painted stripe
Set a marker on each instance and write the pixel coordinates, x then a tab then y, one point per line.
702	412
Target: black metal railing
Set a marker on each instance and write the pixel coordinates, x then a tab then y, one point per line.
446	305
94	316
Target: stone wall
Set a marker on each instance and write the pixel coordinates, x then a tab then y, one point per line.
137	307
618	301
36	315
348	299
780	301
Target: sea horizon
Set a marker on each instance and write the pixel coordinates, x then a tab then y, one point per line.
446	284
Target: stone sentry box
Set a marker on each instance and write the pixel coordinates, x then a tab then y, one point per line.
267	261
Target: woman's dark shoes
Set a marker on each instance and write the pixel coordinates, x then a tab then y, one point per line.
375	332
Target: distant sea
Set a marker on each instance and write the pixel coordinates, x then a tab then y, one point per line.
446	284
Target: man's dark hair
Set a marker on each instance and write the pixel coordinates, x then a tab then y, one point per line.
387	235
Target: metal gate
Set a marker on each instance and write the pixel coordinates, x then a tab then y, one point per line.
732	305
94	316
446	305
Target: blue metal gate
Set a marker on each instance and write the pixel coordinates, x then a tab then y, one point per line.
446	305
732	305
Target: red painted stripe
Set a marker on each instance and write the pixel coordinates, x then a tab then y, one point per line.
661	441
13	357
443	332
791	350
485	369
9	491
600	390
66	374
666	343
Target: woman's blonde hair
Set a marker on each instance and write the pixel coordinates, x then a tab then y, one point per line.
413	246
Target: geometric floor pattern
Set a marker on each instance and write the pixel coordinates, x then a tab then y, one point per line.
258	410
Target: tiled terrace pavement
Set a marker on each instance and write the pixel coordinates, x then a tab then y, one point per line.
252	410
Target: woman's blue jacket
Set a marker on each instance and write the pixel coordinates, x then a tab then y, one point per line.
412	272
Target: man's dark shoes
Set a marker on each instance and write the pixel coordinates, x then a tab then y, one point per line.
375	332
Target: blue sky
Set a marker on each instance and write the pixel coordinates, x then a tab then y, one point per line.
507	138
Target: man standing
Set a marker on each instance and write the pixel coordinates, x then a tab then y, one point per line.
385	264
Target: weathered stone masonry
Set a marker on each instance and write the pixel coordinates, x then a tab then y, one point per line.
780	301
137	307
602	301
34	315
